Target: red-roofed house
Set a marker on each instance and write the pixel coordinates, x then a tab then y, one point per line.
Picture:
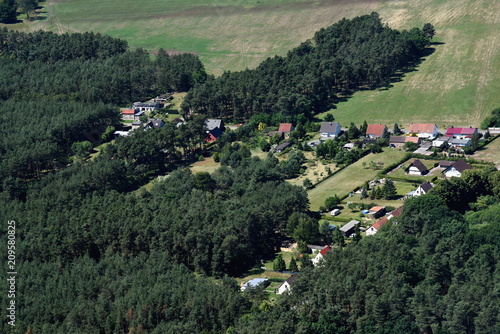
461	133
423	130
376	211
375	130
128	114
286	127
381	222
320	255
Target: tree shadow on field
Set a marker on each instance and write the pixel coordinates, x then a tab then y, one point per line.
398	76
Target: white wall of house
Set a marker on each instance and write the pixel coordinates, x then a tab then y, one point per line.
414	171
371	230
452	172
283	288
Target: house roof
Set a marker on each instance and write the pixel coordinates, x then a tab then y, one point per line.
426	186
397	139
217	132
460	142
379	223
419	165
415	140
445	163
375	129
274	133
128	112
292	278
285	127
146	104
254	282
422	127
324	250
349	225
213	123
460	131
328	127
461	165
281	147
396	213
377	209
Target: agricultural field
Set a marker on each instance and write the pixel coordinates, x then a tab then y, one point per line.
454	85
351	177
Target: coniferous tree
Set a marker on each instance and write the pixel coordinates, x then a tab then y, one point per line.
396	130
293	265
279	263
389	189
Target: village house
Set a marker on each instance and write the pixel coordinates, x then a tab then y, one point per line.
461	133
281	147
349	228
438	142
330	130
445	163
456	169
154	123
460	143
146	106
285	129
215	123
415	140
129	115
423	189
376	212
321	255
416	168
397	141
136	125
253	283
381	222
423	130
213	135
375	130
286	285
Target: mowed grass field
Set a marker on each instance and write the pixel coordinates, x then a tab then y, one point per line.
458	84
351	177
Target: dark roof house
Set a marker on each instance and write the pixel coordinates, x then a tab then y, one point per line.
416	168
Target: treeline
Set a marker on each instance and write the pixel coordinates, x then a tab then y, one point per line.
89	68
345	56
436	271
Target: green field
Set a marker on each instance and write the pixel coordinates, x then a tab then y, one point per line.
351	177
457	84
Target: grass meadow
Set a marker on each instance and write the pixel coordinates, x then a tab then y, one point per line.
351	177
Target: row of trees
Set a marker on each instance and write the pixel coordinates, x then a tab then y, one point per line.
9	9
347	55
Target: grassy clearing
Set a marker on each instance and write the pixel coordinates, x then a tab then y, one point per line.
208	165
351	177
490	152
315	170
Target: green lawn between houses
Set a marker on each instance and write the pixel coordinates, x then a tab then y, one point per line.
344	182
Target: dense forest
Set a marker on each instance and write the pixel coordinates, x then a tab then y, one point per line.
104	245
350	54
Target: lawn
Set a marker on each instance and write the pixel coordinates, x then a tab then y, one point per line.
490	152
351	177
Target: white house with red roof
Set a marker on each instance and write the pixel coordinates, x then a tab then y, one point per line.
321	255
423	130
461	133
375	130
381	222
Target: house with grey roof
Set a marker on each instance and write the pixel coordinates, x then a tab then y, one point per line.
456	169
215	123
349	228
329	130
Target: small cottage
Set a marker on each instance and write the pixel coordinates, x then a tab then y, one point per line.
416	168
